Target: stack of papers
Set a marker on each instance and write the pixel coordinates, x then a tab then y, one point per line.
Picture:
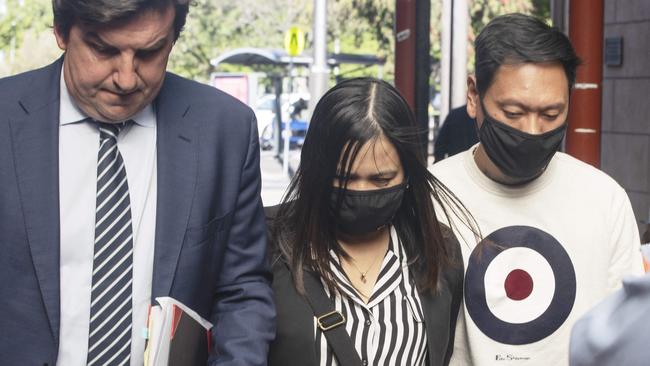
176	335
645	250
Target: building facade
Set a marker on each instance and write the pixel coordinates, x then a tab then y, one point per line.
625	128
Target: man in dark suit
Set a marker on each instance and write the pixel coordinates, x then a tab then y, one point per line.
457	134
121	183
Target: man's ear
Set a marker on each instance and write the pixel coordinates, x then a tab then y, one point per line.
61	40
473	102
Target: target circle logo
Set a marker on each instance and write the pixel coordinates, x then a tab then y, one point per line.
520	285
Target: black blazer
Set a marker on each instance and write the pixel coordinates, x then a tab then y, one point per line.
294	342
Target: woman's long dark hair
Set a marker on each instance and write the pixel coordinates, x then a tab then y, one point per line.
349	115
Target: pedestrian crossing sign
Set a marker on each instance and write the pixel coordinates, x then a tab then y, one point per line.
294	41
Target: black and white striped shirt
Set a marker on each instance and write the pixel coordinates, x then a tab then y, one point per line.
389	329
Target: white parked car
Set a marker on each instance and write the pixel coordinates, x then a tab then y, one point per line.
265	112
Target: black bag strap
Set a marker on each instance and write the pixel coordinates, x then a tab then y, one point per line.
330	321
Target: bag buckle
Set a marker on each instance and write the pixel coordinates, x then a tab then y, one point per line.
330	320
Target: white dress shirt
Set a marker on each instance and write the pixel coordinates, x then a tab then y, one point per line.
78	148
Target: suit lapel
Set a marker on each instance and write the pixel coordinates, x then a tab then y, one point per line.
35	139
437	321
177	169
431	323
295	320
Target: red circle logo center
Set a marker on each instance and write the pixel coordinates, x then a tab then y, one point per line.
518	285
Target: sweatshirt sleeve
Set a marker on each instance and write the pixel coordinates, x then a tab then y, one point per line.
625	243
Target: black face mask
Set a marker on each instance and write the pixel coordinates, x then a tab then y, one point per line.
363	212
516	153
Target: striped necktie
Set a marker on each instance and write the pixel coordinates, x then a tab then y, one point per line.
109	341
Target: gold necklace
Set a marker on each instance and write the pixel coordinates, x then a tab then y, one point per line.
363	274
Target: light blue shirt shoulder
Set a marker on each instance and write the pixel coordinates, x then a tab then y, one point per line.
617	331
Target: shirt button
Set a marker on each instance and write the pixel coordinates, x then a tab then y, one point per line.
365	362
368	322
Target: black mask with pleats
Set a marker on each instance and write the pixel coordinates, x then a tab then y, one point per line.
516	153
362	212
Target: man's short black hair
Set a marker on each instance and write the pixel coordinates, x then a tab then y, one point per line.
108	12
517	38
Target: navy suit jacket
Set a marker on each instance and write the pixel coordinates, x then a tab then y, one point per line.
210	246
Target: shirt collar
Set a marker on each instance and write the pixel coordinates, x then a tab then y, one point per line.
389	273
70	113
394	248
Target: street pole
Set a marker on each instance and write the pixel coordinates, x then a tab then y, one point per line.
586	22
405	49
453	76
319	79
459	54
287	124
412	59
446	58
277	127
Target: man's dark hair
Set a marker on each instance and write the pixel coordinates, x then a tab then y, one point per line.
108	12
517	38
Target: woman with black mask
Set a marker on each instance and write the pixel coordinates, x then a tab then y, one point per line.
363	272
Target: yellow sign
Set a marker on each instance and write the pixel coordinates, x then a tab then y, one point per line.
294	41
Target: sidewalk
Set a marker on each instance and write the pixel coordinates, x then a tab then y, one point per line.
274	182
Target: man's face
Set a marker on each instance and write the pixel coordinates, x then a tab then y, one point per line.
114	72
533	98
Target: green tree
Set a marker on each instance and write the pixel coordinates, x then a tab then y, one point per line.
363	27
358	26
26	37
214	27
368	25
482	11
23	16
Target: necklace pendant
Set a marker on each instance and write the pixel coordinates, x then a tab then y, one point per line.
363	278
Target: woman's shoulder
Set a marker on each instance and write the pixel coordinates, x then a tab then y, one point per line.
278	213
275	257
452	245
271	212
454	271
